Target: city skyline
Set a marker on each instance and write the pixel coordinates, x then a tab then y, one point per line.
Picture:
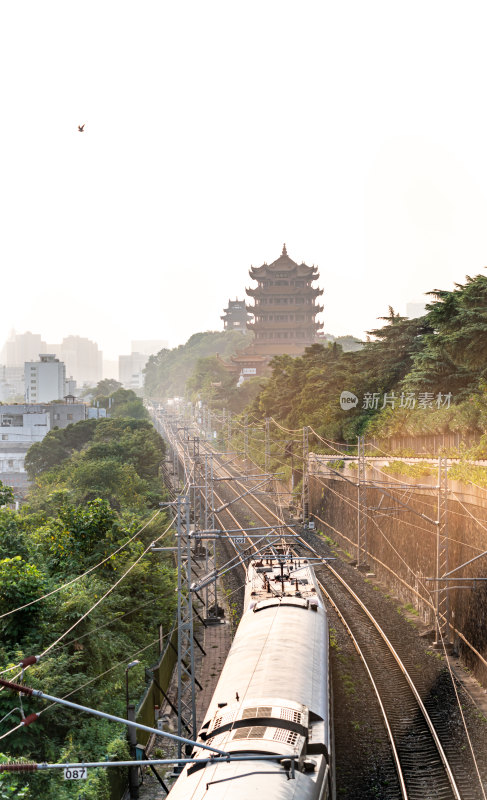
214	135
81	358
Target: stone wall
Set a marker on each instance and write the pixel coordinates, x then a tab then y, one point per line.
402	548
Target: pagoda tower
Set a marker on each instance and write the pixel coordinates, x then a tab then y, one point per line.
235	316
284	307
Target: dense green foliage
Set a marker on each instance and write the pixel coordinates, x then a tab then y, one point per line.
166	372
6	495
97	484
121	402
215	386
347	343
106	387
442	353
453	352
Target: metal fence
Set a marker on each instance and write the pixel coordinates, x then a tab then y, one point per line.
162	672
427	444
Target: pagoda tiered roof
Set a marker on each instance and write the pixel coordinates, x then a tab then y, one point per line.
293	291
286	265
283	325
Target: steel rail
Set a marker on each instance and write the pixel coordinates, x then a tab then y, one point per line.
408	678
361	655
382	634
384	637
180	451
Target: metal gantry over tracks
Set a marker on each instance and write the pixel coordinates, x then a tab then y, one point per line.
399	501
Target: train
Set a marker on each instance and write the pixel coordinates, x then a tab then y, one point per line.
273	697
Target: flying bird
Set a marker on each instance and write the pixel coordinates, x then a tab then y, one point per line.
81	127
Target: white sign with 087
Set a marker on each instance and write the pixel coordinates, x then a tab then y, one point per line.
75	773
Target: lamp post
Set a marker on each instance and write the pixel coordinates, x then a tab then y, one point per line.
132	735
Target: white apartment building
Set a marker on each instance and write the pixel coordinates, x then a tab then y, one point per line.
45	380
19	428
22	424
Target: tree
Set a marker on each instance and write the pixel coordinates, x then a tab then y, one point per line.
10	788
78	537
57	446
106	478
131	408
13	541
454	353
95	483
211	383
6	495
107	386
21	583
167	372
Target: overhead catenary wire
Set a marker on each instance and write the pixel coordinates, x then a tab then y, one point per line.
123	662
349	446
469	512
83	575
379	513
112	621
355	506
111	588
92	680
403	561
382	533
109	591
462	714
422	502
351	503
446	655
426	457
405	522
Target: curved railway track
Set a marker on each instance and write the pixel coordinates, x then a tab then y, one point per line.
422	767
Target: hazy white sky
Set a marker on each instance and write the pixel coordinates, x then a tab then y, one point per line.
354	132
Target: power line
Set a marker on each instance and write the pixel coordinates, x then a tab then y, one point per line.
100	600
78	578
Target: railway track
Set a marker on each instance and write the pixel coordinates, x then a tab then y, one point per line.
416	731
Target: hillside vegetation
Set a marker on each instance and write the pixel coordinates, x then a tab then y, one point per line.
96	487
168	371
412	376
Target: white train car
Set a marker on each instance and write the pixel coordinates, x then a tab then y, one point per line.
273	695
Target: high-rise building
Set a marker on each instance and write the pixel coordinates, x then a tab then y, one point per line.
110	368
22	347
130	370
81	356
11	383
83	359
45	380
131	367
